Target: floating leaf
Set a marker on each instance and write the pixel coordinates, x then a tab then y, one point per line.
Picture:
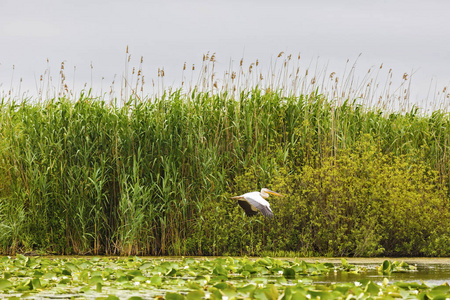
174	296
95	279
156	280
372	288
221	285
195	295
5	284
289	273
36	283
246	289
219	270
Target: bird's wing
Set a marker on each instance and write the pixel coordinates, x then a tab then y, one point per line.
264	209
247	207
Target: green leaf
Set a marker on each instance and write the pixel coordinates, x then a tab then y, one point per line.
289	273
271	292
135	273
36	283
85	289
156	280
98	287
221	285
372	288
195	295
386	266
246	289
219	270
145	266
5	284
174	296
95	279
49	276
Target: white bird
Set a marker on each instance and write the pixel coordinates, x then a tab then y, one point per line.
254	201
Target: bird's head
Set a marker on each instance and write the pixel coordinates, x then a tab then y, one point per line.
265	193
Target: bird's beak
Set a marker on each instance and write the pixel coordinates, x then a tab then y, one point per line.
274	193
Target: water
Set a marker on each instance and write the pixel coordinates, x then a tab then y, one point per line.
432	271
430	274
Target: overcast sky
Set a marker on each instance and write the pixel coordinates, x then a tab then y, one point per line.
404	35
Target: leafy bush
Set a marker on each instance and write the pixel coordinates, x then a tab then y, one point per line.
358	203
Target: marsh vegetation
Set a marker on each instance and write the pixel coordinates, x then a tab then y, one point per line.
364	173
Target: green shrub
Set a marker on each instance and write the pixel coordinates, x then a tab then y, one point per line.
358	203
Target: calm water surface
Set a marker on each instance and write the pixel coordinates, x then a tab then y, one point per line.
432	271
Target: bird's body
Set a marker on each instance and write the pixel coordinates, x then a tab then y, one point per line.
254	201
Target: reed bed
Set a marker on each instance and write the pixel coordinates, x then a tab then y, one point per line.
151	175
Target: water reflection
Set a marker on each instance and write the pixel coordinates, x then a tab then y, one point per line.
430	274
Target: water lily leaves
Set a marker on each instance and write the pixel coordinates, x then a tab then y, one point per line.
36	283
70	266
219	270
229	292
441	292
221	285
98	287
97	273
110	297
410	285
245	274
85	289
292	295
289	273
222	278
195	295
95	279
122	279
193	285
50	276
84	276
145	266
388	267
372	288
282	280
140	278
134	273
5	284
156	280
269	293
171	272
266	261
246	289
85	265
24	286
174	296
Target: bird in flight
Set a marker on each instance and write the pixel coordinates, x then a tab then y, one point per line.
254	201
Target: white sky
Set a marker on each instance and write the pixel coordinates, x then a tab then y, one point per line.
404	35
